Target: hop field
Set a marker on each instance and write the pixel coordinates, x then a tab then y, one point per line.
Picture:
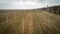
29	22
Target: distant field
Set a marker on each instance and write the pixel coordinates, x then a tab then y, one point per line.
29	22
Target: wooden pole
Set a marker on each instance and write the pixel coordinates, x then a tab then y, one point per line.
58	10
7	18
47	8
52	9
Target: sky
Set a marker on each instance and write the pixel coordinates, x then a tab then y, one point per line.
27	4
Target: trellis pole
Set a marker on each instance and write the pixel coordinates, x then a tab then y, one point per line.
48	9
58	12
7	18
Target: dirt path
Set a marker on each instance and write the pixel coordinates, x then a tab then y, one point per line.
27	24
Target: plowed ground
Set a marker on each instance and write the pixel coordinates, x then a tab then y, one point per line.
29	22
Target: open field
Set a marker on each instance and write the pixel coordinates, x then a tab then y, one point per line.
29	22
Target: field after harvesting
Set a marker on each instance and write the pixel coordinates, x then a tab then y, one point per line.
29	22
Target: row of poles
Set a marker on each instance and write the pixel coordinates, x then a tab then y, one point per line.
52	9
